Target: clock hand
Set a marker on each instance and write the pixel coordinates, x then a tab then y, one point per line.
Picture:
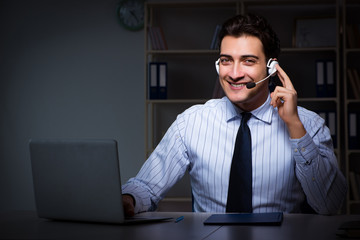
134	15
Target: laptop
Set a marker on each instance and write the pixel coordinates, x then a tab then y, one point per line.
79	180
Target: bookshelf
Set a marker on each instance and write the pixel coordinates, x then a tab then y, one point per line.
351	54
186	49
191	74
188	29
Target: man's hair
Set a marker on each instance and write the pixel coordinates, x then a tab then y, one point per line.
252	25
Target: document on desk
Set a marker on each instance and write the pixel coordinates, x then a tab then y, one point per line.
273	218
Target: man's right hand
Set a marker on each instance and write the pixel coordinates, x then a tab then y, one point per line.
129	205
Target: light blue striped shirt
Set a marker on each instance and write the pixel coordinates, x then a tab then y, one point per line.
285	171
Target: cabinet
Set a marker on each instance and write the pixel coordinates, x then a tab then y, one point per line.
351	65
188	29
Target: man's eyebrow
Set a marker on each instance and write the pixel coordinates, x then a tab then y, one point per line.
249	56
242	57
225	55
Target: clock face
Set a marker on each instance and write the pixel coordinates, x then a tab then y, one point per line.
131	14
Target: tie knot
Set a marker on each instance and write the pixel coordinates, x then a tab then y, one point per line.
245	117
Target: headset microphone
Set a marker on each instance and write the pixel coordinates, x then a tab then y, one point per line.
253	84
271	70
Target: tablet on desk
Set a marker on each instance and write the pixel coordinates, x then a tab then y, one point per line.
274	218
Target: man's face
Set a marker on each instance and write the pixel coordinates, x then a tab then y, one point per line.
242	60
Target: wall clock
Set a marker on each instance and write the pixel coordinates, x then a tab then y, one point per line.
131	14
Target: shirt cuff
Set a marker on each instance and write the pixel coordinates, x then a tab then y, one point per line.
304	149
132	189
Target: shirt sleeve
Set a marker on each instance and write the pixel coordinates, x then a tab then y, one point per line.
165	166
317	169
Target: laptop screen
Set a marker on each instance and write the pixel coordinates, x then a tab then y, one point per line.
77	180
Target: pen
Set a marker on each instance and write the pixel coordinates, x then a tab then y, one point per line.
179	219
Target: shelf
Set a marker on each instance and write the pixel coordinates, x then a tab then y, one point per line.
311	50
287	2
353	151
352	50
349	101
209	51
183	52
192	4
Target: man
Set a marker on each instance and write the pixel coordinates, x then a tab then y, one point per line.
293	162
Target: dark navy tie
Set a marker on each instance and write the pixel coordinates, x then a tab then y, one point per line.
240	184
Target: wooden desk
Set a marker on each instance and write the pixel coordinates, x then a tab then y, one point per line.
26	225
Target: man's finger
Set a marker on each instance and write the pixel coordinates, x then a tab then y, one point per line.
284	78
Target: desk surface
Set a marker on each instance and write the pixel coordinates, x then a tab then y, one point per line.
26	225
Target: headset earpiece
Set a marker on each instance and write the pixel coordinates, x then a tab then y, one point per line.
271	66
217	62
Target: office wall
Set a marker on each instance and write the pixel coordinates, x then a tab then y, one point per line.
67	70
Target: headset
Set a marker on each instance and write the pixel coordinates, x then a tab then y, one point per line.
271	71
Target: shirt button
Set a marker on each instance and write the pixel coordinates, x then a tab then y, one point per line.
313	179
303	149
295	150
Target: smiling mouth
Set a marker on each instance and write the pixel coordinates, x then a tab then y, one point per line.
237	85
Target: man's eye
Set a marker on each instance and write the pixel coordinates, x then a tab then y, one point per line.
250	61
225	61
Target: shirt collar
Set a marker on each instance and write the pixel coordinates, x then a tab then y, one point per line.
263	113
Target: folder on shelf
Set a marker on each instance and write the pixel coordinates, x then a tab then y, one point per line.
330	122
330	79
162	81
157	78
325	78
354	142
323	115
320	79
153	82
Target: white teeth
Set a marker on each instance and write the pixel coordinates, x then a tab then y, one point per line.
237	85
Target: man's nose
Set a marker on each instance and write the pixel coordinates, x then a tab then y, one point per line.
237	71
